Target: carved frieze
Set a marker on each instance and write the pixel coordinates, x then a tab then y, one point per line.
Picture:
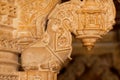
8	77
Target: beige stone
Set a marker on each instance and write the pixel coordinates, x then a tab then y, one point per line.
22	24
45	52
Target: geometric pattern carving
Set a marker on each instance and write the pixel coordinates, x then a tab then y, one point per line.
9	77
7	12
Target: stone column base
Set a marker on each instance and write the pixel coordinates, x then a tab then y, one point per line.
29	75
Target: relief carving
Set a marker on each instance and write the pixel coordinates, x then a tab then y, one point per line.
45	52
8	77
22	24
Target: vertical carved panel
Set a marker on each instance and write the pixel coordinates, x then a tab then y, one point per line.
7	12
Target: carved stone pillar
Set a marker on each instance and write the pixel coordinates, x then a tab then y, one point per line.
8	54
22	24
8	61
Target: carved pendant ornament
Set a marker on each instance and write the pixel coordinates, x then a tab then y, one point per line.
40	31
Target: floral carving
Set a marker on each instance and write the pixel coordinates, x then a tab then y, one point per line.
45	52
